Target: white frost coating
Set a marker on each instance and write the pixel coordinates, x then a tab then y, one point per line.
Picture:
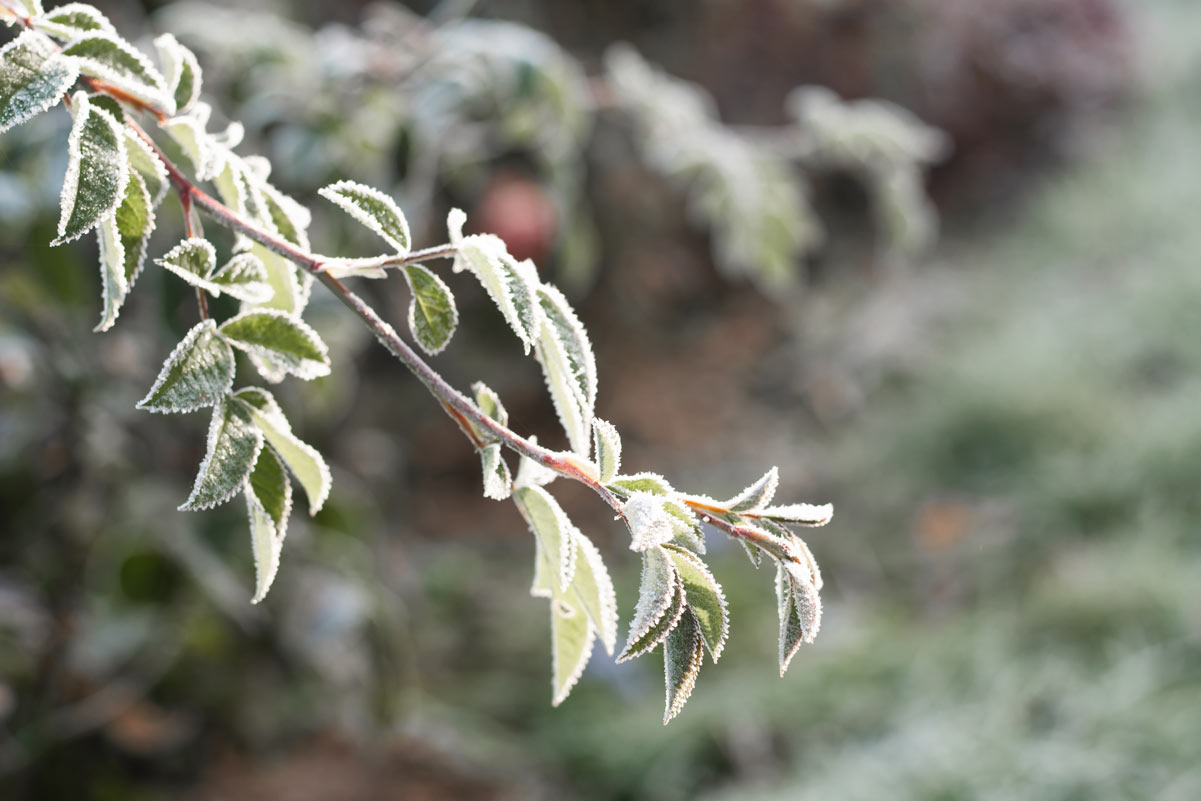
601	607
703	592
189	133
683	655
111	59
532	474
805	514
226	432
658	589
177	61
575	338
117	161
191	258
421	330
374	209
497	483
556	370
30	8
302	459
112	271
74	19
489	402
142	159
40	90
649	522
558	526
566	621
756	495
607	450
205	396
265	545
301	366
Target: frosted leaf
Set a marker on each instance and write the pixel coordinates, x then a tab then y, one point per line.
511	284
192	259
660	604
112	272
97	170
640	482
568	366
287	341
489	403
649	522
373	209
234	443
302	459
28	8
683	654
289	289
115	61
756	495
552	355
805	514
183	78
572	635
243	277
532	474
753	552
687	532
805	597
704	597
123	237
198	373
269	503
196	143
433	316
606	445
147	165
554	532
791	631
33	78
541	585
594	588
498	484
279	212
73	20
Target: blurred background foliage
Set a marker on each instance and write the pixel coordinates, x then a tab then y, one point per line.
1006	423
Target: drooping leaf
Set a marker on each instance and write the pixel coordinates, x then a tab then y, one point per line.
302	459
286	340
113	285
97	170
572	635
687	533
805	514
705	598
541	586
269	502
33	78
234	443
805	598
147	165
183	78
373	209
753	552
432	313
198	373
757	495
512	285
554	532
683	653
660	604
498	484
649	522
243	277
123	237
567	328
640	482
594	589
115	61
606	445
73	20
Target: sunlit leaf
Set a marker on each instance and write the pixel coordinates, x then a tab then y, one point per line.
649	522
115	61
757	495
553	530
660	604
640	482
70	21
97	170
243	277
572	635
805	514
147	165
234	443
606	446
432	313
33	78
705	598
594	588
683	653
489	403
302	459
183	78
198	373
286	340
498	484
373	209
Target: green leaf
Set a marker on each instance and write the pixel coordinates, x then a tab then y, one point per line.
572	635
683	653
33	78
234	443
606	444
753	552
188	131
640	482
562	323
183	77
305	463
372	208
800	613
432	313
687	533
269	503
198	373
660	605
554	532
243	277
123	237
74	20
286	340
147	165
115	61
498	484
113	285
594	589
192	260
757	495
511	284
97	170
704	597
805	514
649	522
489	403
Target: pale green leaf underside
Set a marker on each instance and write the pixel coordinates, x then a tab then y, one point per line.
198	373
97	170
33	78
805	514
489	403
373	209
269	503
606	446
572	635
594	589
234	442
304	462
147	165
640	482
553	530
286	340
265	546
683	653
123	236
433	316
498	484
705	598
183	77
113	285
244	277
660	604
